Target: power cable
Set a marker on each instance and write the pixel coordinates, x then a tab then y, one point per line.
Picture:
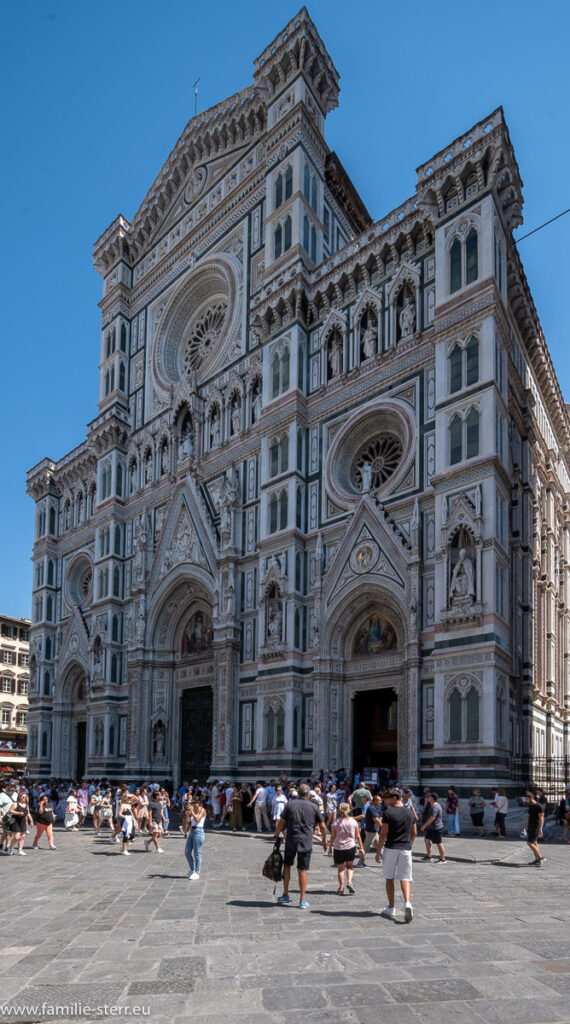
541	226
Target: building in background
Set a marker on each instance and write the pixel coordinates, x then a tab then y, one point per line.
321	519
14	683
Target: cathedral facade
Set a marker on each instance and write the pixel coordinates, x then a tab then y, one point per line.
321	518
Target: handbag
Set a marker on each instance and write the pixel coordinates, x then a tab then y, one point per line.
8	820
273	866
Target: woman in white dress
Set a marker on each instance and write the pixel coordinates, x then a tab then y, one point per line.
71	814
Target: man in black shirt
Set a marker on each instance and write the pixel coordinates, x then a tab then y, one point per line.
397	836
533	825
300	817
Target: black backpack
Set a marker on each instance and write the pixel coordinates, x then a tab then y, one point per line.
273	866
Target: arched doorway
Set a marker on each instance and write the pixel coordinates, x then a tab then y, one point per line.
362	689
181	708
74	745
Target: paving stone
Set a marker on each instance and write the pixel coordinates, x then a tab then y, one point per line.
296	997
182	966
441	989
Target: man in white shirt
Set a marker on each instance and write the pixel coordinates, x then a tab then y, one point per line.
259	804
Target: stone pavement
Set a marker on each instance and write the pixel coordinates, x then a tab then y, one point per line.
85	926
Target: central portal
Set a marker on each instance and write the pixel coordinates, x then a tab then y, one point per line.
196	721
375	729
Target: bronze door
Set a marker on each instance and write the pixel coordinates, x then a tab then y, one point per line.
196	720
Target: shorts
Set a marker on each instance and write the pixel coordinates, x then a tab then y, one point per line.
303	858
156	826
531	835
477	818
397	864
434	835
344	856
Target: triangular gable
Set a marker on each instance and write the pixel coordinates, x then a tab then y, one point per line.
185	538
74	641
369	552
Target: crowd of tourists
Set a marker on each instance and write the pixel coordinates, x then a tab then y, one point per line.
350	819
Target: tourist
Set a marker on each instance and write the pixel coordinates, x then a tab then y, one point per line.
345	838
82	802
331	805
72	811
501	805
433	827
543	801
564	814
156	821
451	810
371	819
45	819
128	828
216	806
397	834
533	826
165	800
195	840
359	798
258	803
476	806
17	823
235	809
106	811
94	809
409	801
299	817
277	804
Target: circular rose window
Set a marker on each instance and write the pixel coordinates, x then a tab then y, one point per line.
79	581
373	452
201	322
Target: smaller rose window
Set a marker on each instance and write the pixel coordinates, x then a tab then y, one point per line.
204	335
383	455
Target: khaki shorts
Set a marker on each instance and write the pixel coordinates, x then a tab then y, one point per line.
397	864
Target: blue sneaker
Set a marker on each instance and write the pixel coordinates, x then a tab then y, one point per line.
304	905
284	899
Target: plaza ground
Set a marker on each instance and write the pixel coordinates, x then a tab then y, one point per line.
490	938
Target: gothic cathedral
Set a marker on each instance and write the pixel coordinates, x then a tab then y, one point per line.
321	519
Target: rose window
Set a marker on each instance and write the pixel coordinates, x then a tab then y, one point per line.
204	336
383	454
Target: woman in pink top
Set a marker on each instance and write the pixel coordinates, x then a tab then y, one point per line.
345	839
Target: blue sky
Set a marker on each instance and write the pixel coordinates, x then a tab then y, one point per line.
96	94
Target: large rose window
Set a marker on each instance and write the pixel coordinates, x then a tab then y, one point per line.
201	323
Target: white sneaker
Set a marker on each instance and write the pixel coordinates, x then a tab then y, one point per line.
194	875
389	912
113	839
159	850
21	853
125	853
408	913
189	874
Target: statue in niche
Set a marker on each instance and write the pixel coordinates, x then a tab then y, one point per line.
256	402
375	636
462	585
236	415
274	616
164	467
369	342
215	428
197	636
141	620
133	476
366	475
148	467
158	740
335	357
407	319
140	554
